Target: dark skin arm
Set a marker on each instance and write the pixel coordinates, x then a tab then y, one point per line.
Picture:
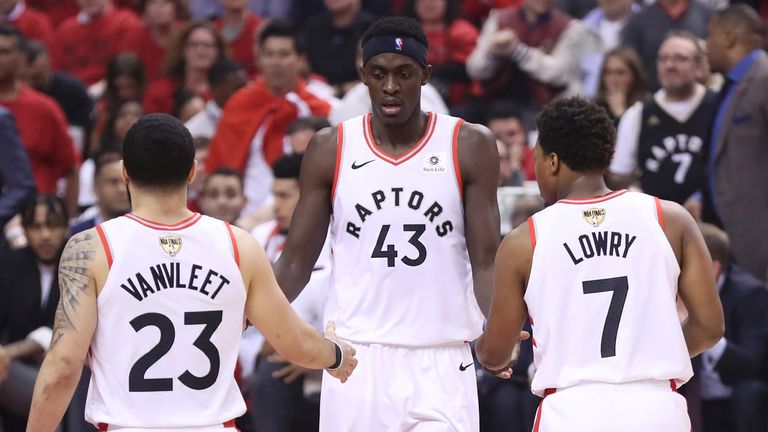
309	225
696	287
479	162
496	347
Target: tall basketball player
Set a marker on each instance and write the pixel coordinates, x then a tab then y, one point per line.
411	201
598	272
155	302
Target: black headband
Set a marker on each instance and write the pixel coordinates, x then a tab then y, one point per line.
406	46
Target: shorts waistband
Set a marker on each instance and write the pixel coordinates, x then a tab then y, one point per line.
649	384
230	424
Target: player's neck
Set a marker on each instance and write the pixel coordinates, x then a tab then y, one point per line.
584	186
9	89
400	136
161	206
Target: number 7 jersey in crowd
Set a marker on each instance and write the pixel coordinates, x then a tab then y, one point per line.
601	294
401	272
170	317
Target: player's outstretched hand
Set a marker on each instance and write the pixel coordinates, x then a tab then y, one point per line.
506	371
348	362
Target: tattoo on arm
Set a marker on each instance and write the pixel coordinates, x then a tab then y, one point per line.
74	282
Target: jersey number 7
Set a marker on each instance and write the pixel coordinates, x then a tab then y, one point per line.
619	286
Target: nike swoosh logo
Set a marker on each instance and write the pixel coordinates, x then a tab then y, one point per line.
356	166
463	368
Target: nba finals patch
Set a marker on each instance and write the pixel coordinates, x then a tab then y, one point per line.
435	162
171	244
594	216
653	121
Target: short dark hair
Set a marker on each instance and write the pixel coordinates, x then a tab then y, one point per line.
280	28
9	30
579	132
32	50
104	158
504	110
288	166
225	172
396	26
56	212
718	243
158	152
742	17
221	69
314	123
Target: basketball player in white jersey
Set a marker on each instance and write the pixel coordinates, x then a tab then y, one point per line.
156	302
598	272
411	201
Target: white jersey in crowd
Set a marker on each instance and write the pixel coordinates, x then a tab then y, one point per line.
310	303
401	273
601	294
170	316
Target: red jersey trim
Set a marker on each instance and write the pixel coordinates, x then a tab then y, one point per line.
381	154
532	234
105	244
594	200
456	165
227	424
235	249
659	212
339	148
186	223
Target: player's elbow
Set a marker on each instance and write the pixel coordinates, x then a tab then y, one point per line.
714	331
489	356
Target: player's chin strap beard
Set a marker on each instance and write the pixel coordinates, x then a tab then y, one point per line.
404	45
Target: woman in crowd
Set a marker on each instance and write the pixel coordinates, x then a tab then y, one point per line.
622	81
451	41
192	52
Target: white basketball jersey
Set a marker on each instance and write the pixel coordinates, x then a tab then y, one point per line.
601	294
170	317
401	272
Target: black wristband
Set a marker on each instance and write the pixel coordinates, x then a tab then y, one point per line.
339	357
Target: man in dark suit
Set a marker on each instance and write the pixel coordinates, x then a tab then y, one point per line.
29	293
733	397
16	181
738	153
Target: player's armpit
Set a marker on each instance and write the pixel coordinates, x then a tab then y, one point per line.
268	309
704	325
309	224
479	171
74	325
496	347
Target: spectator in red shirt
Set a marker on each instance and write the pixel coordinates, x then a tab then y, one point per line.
151	42
84	43
56	10
255	119
239	26
31	23
451	41
192	52
52	154
505	121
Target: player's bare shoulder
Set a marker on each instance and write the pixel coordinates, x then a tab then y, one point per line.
478	155
678	225
320	157
516	251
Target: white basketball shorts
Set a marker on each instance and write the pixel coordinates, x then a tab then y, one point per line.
642	406
397	388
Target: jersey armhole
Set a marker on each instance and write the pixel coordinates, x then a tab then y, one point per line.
659	212
532	232
235	250
455	151
337	169
105	244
